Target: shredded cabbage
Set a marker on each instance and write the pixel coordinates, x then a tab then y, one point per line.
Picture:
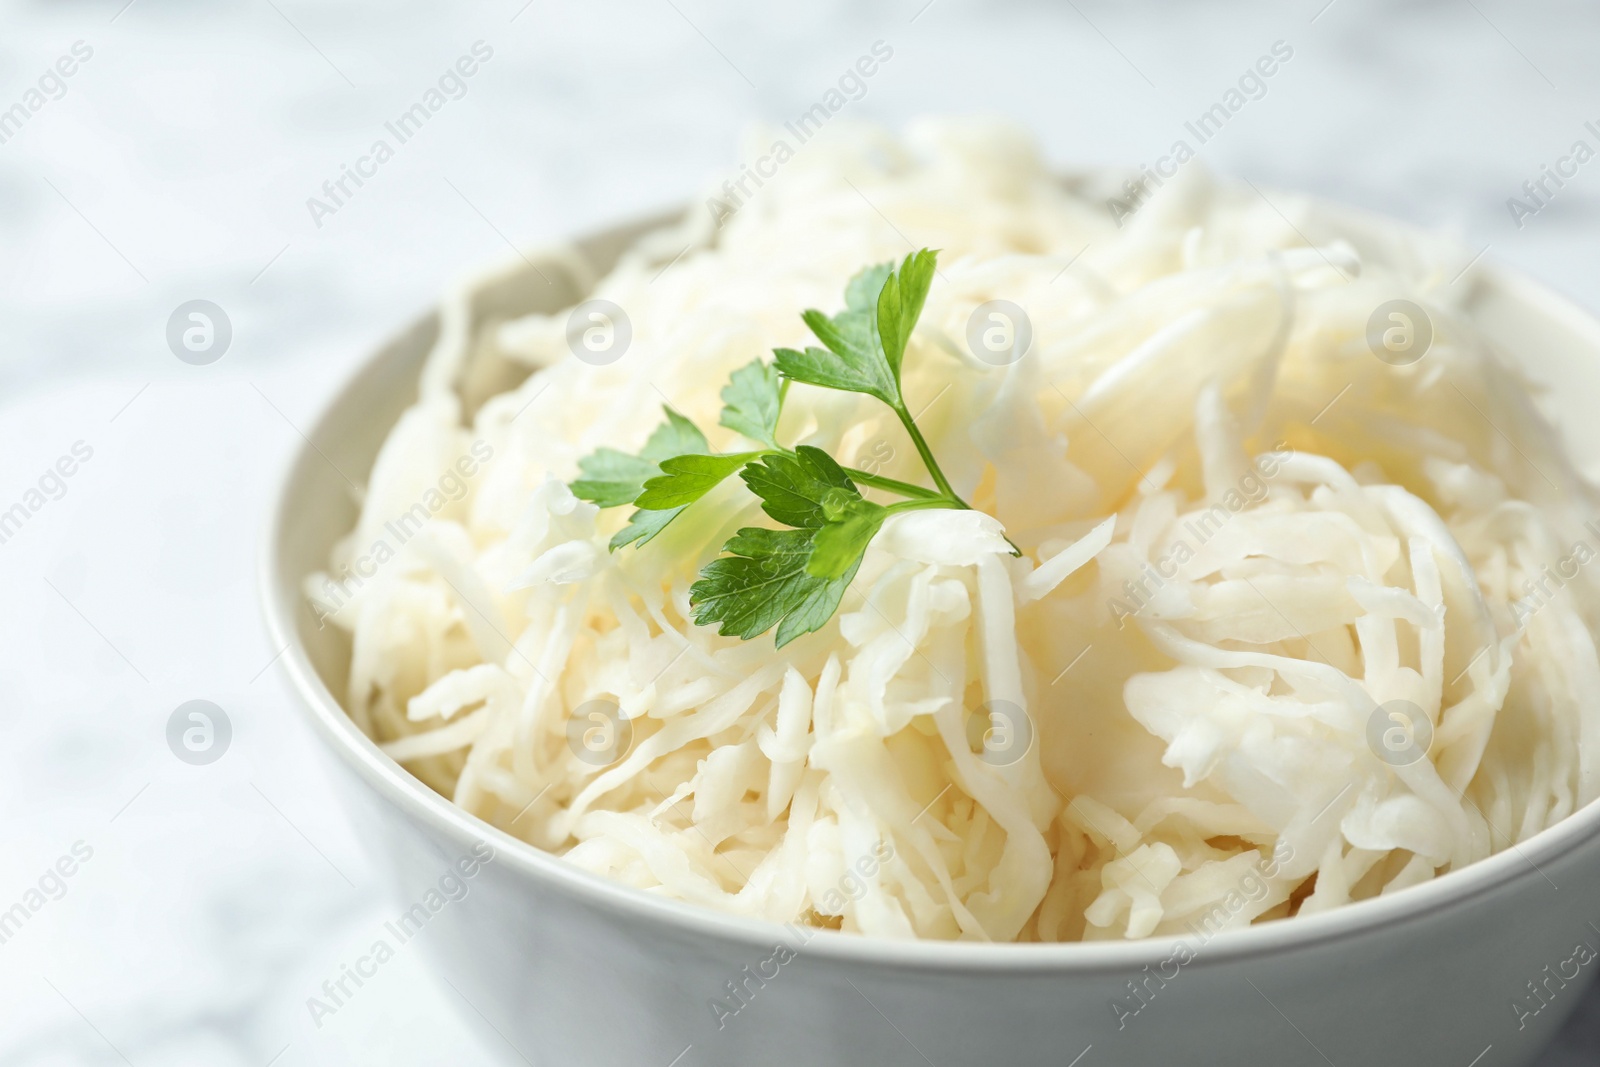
1243	536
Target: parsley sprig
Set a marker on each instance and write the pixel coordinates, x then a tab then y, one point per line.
791	578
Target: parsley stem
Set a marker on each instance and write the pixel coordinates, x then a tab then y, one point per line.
927	457
923	505
950	499
892	485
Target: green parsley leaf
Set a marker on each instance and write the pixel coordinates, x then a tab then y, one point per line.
816	367
764	583
685	479
790	578
611	478
675	437
793	489
861	291
854	360
752	400
839	546
866	342
642	526
899	305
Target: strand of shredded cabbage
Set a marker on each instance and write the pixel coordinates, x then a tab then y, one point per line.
1242	533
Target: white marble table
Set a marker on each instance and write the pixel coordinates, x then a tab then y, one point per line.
176	165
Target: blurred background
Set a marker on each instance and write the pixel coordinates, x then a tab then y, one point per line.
154	153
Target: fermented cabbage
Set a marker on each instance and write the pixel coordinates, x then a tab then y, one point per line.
1294	625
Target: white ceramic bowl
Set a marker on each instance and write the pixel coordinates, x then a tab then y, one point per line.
571	969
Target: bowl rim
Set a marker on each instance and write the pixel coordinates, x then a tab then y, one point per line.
399	789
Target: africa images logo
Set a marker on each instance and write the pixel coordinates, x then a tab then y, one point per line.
451	85
452	887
